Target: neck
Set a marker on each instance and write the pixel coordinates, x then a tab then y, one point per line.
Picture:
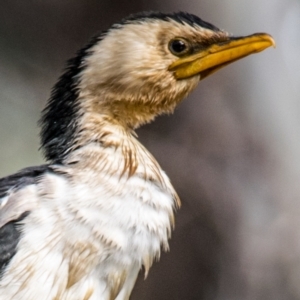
105	148
88	136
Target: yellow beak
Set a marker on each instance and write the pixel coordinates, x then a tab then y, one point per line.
219	55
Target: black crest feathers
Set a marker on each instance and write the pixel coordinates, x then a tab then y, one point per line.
59	118
180	17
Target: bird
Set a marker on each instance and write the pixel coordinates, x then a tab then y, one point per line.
83	225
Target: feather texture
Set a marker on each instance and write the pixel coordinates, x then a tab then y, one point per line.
83	226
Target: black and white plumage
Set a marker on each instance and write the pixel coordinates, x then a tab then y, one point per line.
82	226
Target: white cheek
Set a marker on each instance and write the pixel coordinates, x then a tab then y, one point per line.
128	56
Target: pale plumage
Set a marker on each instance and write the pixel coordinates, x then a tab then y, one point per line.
82	226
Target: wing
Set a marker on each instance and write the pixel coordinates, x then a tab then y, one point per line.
16	202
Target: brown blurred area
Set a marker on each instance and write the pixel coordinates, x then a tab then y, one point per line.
231	149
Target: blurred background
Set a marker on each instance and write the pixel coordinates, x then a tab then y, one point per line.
231	149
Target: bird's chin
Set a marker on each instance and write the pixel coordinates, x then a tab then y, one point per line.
210	71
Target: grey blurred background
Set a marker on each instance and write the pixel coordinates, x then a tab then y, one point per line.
231	149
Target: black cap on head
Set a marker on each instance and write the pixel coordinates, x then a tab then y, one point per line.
180	17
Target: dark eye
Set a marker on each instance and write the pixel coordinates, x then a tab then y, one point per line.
178	47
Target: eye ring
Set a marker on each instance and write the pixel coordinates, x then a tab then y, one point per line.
178	46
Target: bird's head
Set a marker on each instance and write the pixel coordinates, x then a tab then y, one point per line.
142	67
